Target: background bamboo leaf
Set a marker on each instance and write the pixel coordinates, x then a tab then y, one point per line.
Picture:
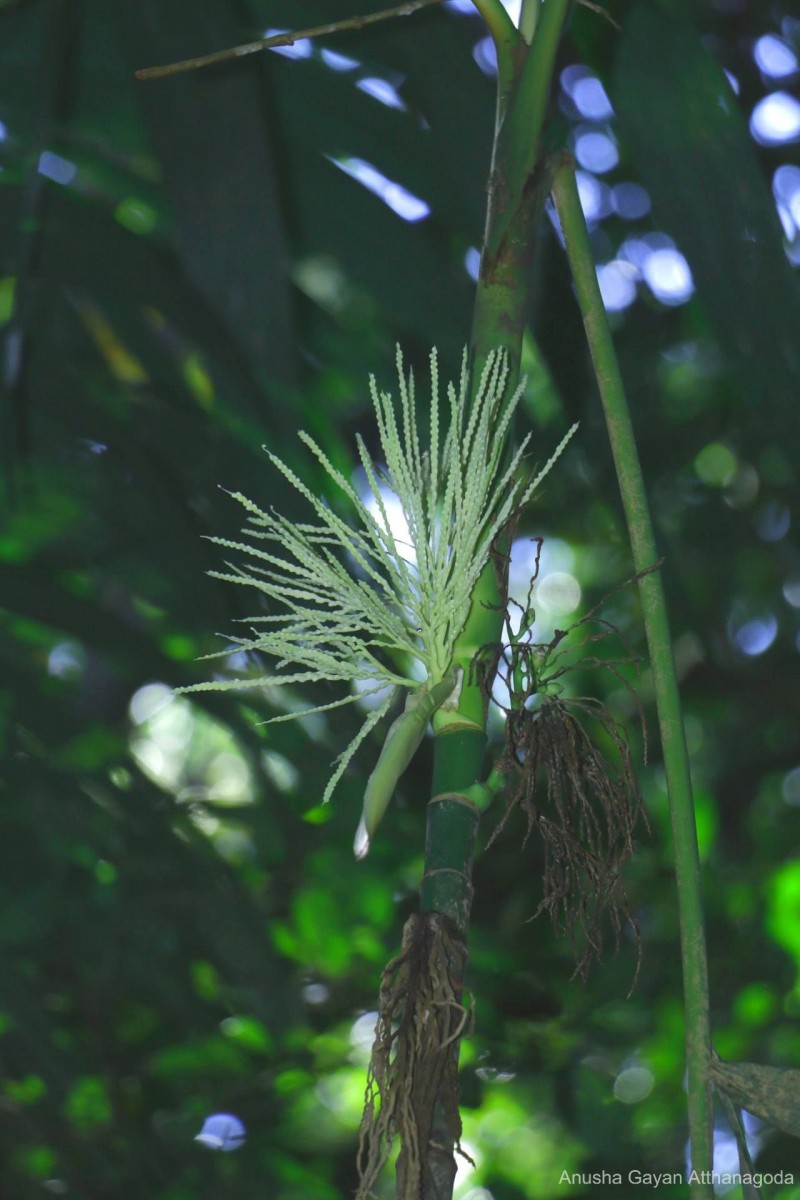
687	137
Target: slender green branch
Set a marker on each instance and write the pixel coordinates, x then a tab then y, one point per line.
506	38
654	611
520	137
498	22
282	39
519	183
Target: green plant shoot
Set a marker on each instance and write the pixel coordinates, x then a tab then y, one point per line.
400	746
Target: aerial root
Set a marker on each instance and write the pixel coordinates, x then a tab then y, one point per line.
412	1088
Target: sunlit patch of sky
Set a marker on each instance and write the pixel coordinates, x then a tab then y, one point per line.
54	167
753	637
617	280
472	262
147	701
588	96
637	250
791	592
630	201
666	272
774	59
786	190
595	150
67	660
773	522
466	1164
362	1035
222	1131
283	773
340	62
595	197
399	199
392	519
726	1152
300	49
494	1074
776	120
485	56
513	8
370	697
3	131
316	993
787	224
461	6
633	1083
238	661
161	743
382	91
556	592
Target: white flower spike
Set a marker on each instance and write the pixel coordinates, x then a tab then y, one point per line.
341	625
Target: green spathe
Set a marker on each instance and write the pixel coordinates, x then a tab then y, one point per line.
399	747
359	604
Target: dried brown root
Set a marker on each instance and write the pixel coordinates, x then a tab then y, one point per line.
412	1080
569	767
585	812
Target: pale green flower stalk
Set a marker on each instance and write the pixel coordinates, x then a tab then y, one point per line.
403	602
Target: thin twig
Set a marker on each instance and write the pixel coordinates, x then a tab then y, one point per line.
282	39
601	12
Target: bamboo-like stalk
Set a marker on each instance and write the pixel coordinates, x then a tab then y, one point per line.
518	186
654	612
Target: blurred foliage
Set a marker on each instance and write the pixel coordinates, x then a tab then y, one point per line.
187	275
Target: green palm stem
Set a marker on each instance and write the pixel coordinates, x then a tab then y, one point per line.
518	186
654	612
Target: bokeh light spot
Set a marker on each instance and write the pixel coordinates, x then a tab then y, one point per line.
776	120
755	637
716	464
382	91
396	197
668	276
591	100
774	58
559	593
596	151
617	281
630	201
633	1085
299	49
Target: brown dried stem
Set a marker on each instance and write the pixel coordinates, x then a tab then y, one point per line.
282	39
